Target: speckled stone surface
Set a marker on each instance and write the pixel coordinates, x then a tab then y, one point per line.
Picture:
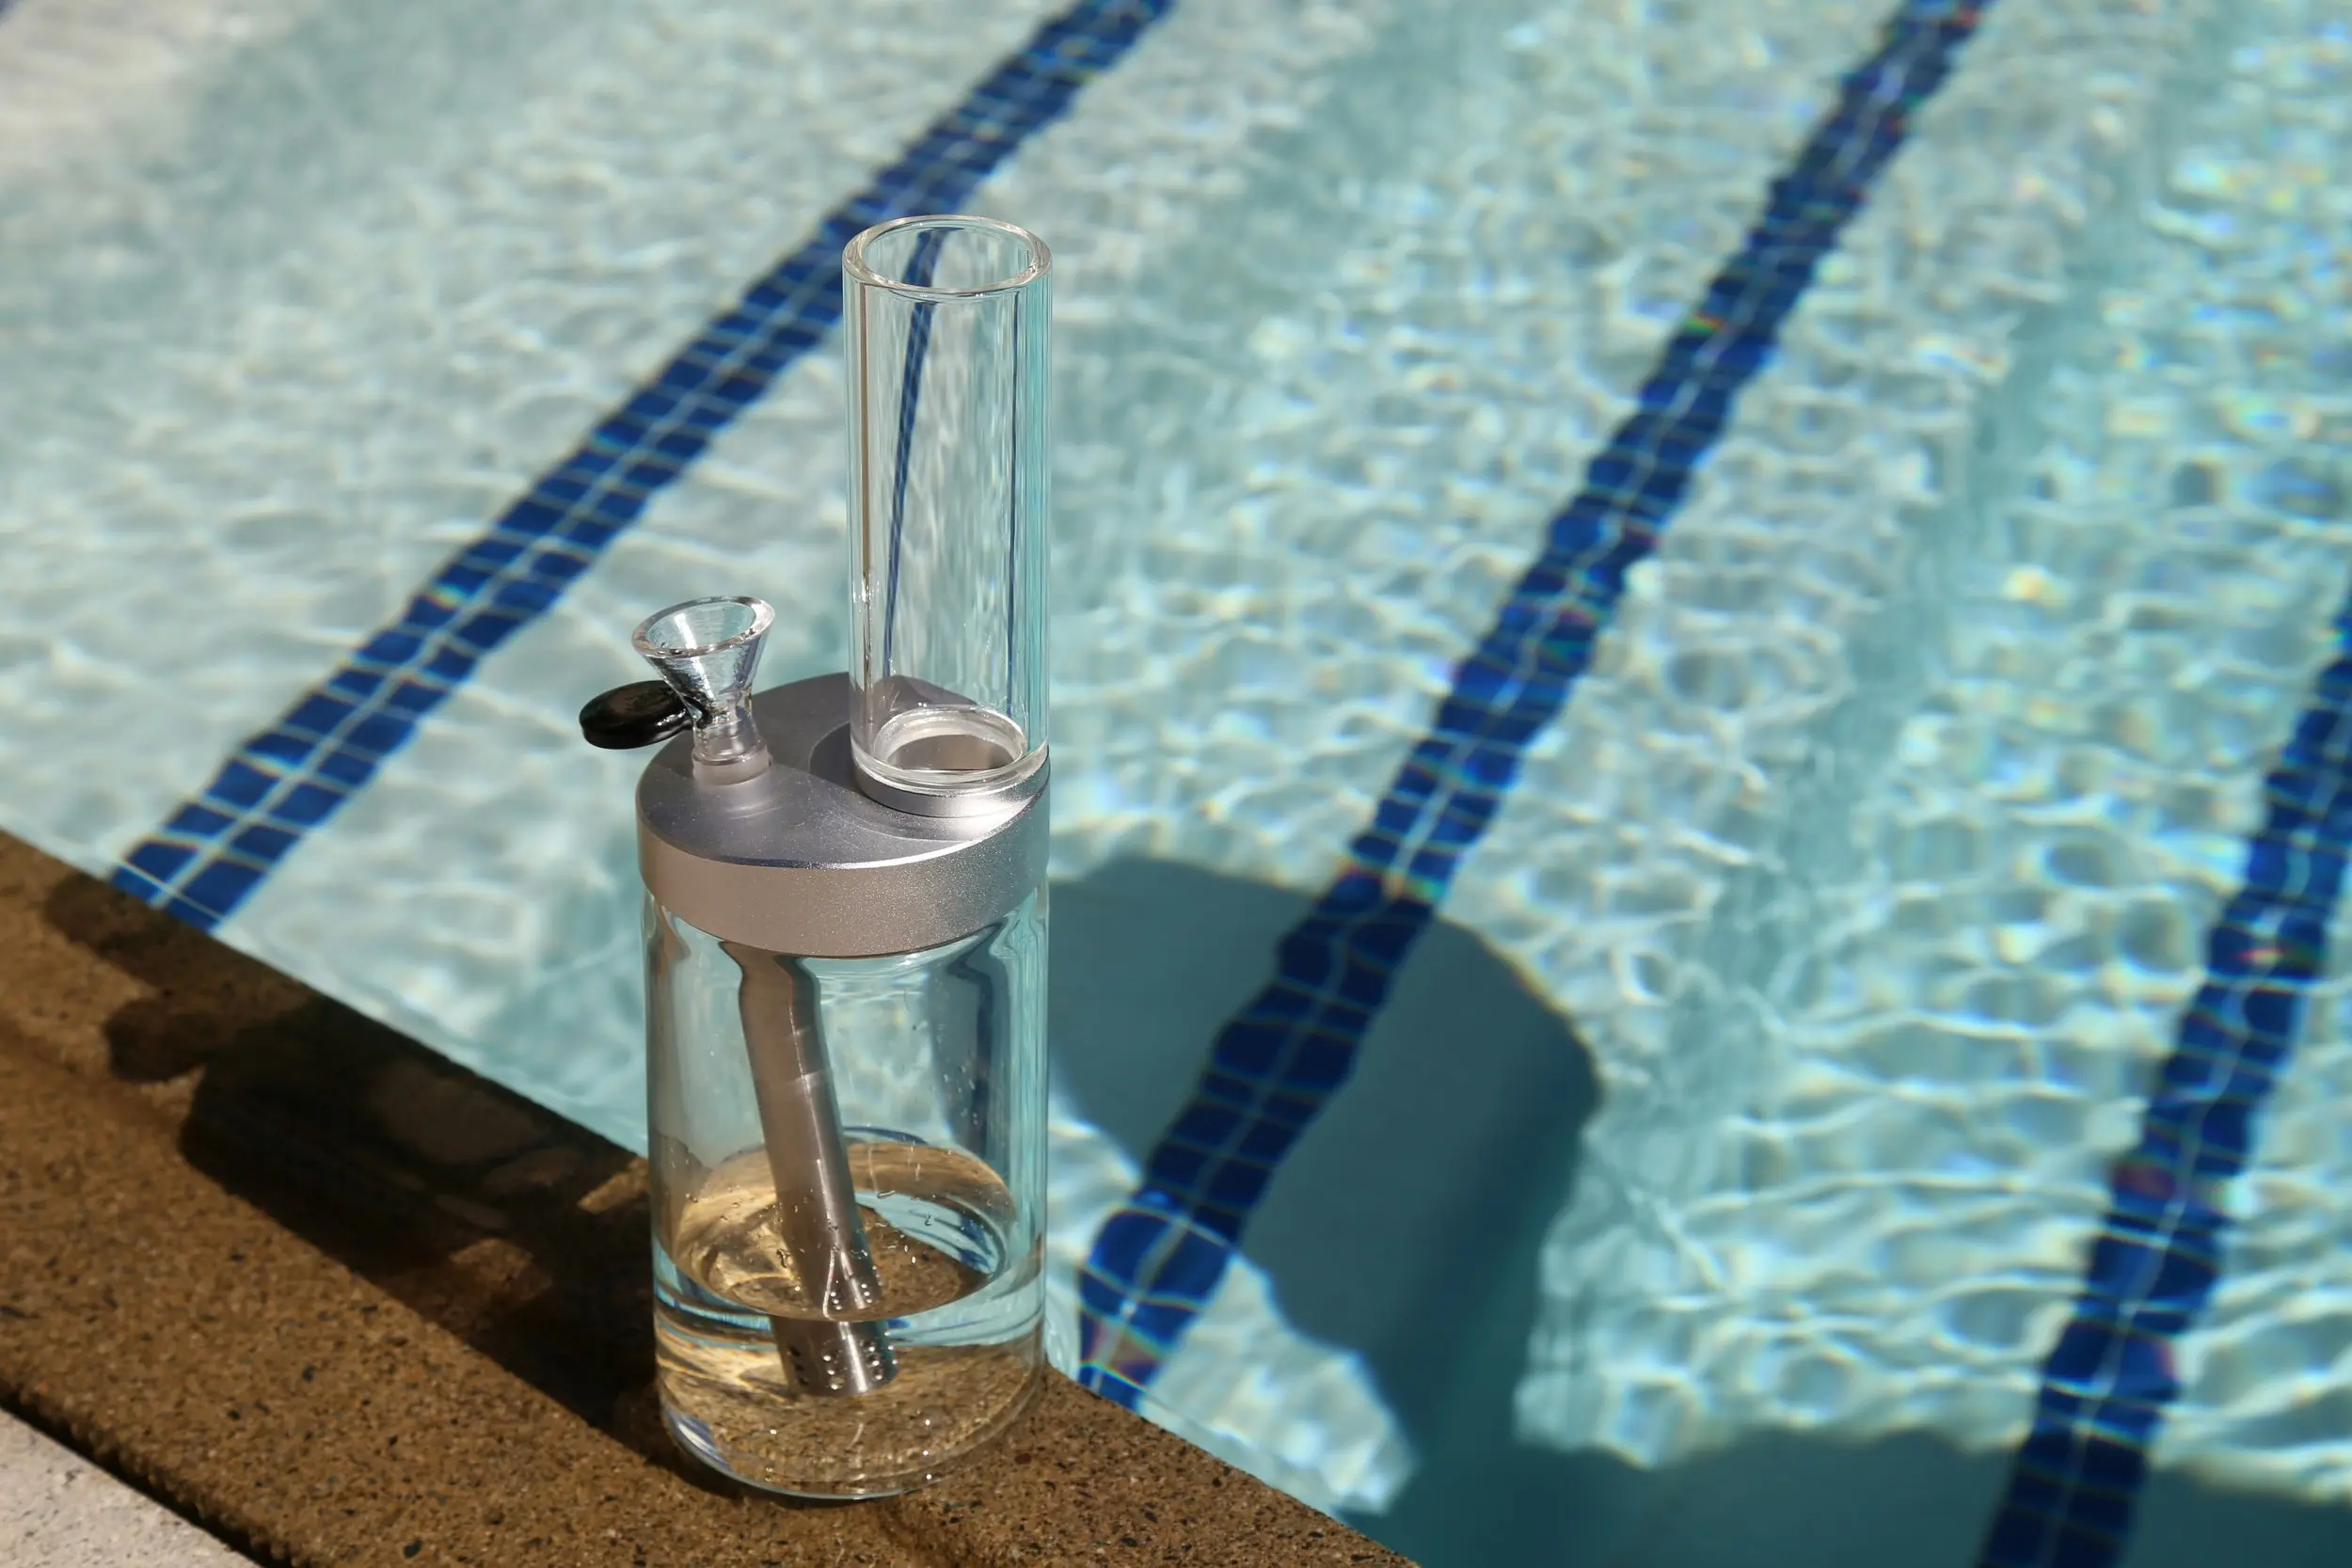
347	1303
60	1511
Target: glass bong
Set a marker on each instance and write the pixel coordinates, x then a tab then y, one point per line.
844	923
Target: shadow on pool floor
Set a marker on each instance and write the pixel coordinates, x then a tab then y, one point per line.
1404	1207
1407	1225
1776	1500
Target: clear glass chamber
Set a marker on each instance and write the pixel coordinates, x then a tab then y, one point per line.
944	332
932	1067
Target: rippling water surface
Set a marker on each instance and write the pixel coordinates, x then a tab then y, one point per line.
1810	980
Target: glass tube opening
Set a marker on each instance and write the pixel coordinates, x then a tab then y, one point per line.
946	332
946	257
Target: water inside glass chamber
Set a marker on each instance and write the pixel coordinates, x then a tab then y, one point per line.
958	1294
936	1221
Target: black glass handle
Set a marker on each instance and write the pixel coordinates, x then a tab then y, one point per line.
634	715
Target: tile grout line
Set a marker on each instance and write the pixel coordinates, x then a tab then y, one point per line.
2156	1256
1157	1258
284	783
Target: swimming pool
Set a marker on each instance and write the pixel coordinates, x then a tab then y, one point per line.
1810	878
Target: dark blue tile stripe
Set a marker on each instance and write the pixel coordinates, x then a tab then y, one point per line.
1274	1066
2158	1254
280	784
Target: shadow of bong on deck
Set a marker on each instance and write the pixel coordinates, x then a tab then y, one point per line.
520	1233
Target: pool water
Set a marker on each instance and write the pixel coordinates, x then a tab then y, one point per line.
1865	1086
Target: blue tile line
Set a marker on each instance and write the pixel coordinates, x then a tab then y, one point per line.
1274	1066
283	783
2158	1252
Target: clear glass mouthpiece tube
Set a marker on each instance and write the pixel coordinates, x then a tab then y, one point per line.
946	327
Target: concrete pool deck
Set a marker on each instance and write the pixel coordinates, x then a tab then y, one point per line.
59	1510
344	1301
